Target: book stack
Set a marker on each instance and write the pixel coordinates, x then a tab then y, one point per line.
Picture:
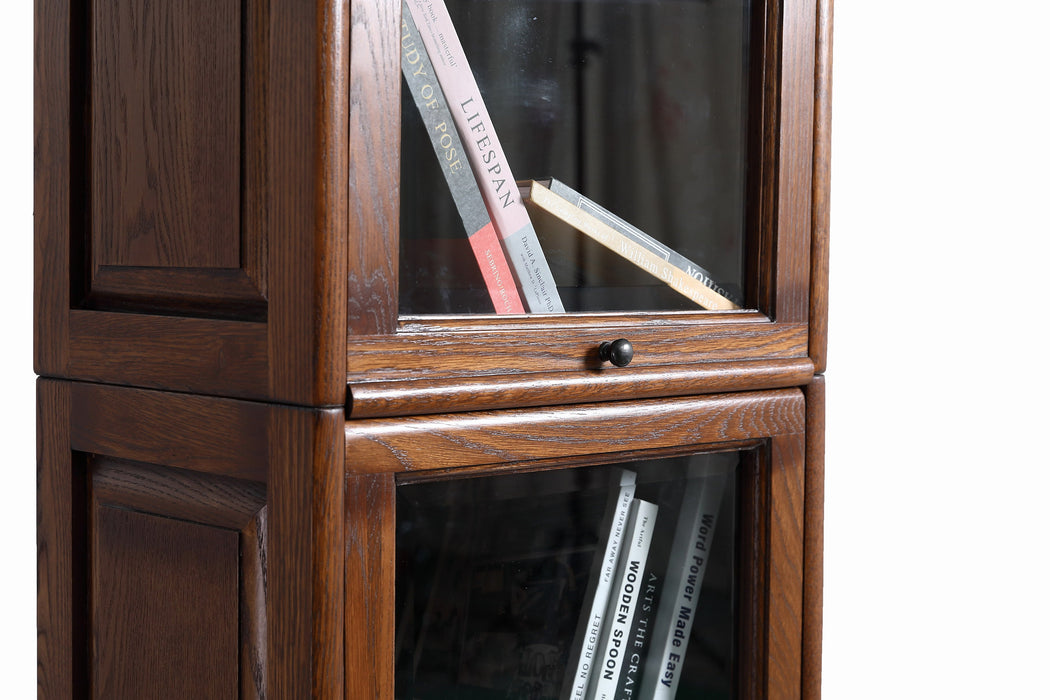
436	71
634	628
492	205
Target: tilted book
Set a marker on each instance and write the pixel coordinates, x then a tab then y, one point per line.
626	591
668	496
687	563
430	101
486	156
667	265
599	584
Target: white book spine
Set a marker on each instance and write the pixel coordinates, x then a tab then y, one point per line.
588	630
690	552
625	594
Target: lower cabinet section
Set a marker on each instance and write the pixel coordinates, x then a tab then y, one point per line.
188	547
214	548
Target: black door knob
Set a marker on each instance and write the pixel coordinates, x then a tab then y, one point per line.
619	352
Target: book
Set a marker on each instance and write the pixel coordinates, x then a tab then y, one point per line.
626	591
667	494
486	157
599	584
420	79
687	562
638	639
670	267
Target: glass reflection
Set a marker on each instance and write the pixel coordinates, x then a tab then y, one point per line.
639	105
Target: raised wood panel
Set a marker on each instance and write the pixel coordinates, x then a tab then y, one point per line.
268	476
166	120
178	571
786	523
192	194
164	605
171	98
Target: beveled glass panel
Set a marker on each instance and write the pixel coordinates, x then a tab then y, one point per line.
499	577
640	105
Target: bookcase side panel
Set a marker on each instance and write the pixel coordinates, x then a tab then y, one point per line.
185	153
193	533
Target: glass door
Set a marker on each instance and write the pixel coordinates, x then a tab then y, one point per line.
634	119
605	581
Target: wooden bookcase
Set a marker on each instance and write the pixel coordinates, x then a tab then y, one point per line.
230	396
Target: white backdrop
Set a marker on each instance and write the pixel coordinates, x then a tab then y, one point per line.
937	478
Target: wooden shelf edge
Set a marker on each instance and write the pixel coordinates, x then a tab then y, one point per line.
446	441
459	394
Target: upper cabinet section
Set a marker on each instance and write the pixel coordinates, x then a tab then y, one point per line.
647	170
246	198
633	118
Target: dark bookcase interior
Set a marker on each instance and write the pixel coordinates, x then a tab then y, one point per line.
492	573
641	106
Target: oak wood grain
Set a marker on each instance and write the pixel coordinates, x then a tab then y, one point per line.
305	523
559	345
418	397
212	502
208	183
752	538
253	629
813	550
820	251
51	192
307	200
370	615
62	669
205	356
218	436
164	607
763	144
794	161
166	133
770	554
492	437
202	293
374	166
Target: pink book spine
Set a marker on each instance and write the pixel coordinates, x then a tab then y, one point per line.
495	271
486	156
430	101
